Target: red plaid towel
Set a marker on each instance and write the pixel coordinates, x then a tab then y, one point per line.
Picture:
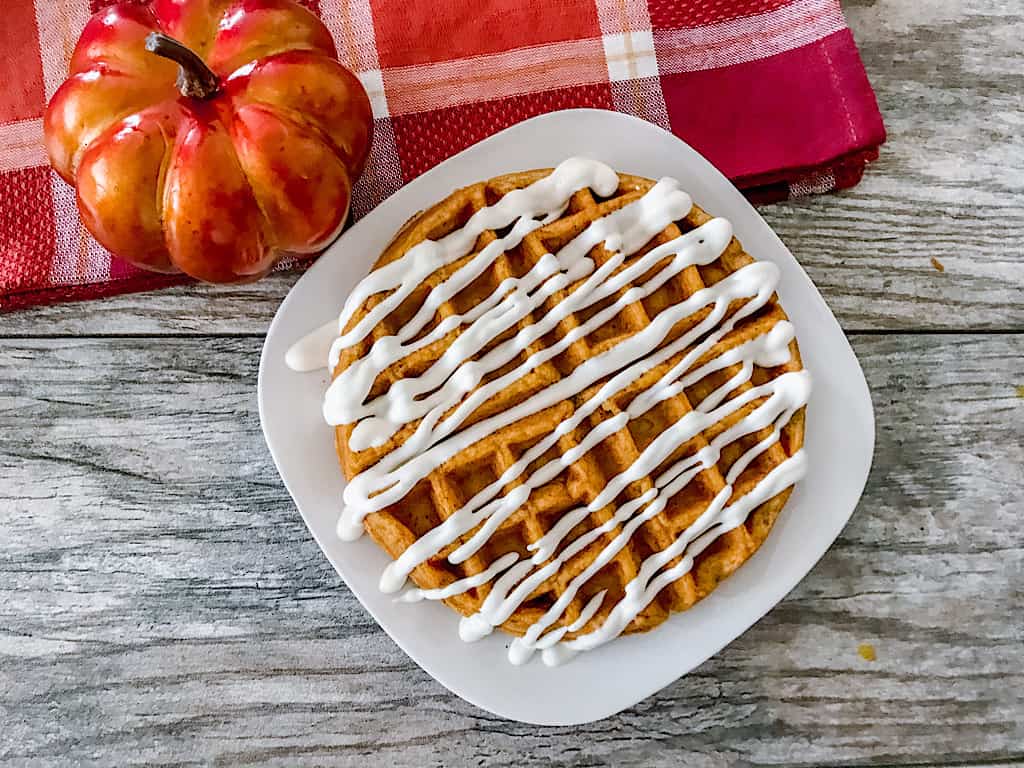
771	91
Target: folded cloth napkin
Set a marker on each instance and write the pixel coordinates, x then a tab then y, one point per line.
771	91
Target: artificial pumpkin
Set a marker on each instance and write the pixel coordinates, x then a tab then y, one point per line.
209	136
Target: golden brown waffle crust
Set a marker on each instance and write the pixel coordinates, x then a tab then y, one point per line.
393	534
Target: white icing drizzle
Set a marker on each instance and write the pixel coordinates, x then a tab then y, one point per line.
308	353
455	381
462	585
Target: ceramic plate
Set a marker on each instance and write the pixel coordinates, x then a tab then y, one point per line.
839	438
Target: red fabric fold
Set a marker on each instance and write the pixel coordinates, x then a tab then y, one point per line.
773	92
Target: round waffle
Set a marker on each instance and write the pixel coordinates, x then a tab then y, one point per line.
568	404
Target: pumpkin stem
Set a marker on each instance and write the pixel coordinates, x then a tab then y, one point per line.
195	79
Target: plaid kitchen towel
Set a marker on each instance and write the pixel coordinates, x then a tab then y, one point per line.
771	91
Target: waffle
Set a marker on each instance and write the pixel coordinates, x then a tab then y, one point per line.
448	487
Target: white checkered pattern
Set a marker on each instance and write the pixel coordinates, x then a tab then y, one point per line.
630	55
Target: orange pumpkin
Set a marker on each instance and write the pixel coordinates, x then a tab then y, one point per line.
209	136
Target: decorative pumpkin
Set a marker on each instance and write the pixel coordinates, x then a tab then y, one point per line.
209	136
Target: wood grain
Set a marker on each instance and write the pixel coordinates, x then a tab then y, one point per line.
948	185
164	604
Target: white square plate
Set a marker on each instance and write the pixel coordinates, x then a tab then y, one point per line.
839	438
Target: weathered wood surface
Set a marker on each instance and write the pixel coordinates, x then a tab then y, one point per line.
163	602
948	185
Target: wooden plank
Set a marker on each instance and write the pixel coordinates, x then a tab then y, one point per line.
948	185
163	603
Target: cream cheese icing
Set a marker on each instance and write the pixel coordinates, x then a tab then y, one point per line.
456	381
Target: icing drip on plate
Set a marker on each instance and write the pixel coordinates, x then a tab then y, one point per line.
440	399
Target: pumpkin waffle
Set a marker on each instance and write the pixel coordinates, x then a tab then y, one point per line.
457	480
